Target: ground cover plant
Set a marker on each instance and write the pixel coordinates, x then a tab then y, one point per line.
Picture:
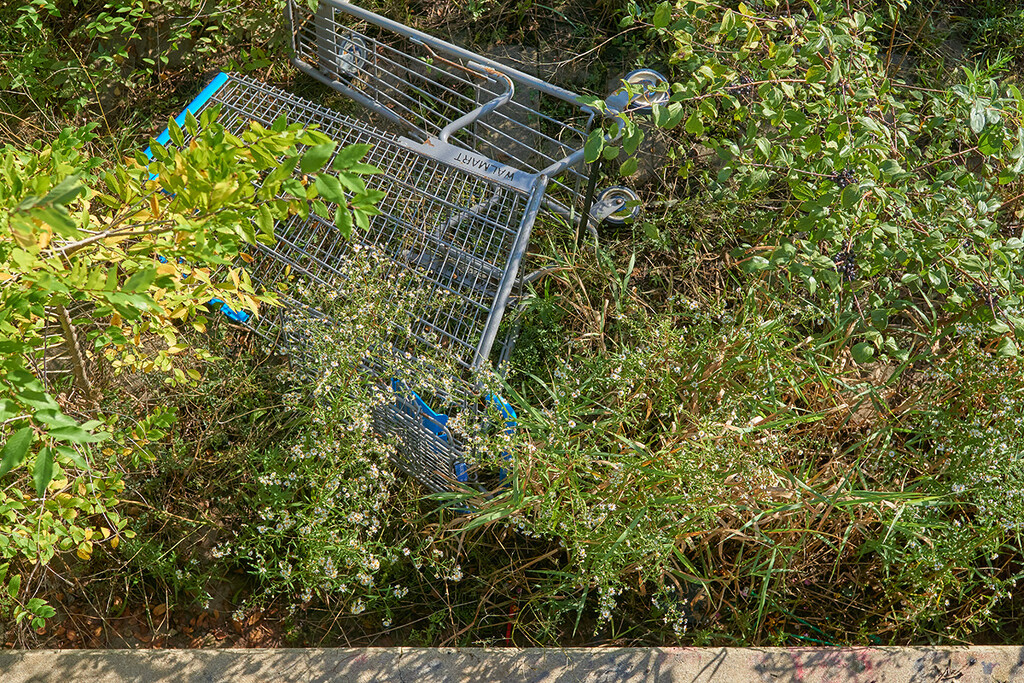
782	407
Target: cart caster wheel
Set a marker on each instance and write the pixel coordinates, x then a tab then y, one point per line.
351	56
647	82
615	206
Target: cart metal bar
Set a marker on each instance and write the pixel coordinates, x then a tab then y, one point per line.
393	103
481	111
362	99
490	331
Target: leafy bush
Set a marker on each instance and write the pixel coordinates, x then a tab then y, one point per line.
879	197
77	57
135	256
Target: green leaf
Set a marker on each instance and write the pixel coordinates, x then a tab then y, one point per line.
351	182
9	408
174	132
783	54
977	117
665	117
265	221
347	156
755	264
662	15
158	150
65	191
728	22
816	74
764	147
328	187
632	139
754	36
880	318
75	434
694	125
628	167
890	167
57	217
74	456
283	171
15	449
863	352
43	472
1007	348
361	218
316	156
13	586
343	220
364	169
294	187
851	195
140	281
990	142
191	125
54	418
594	145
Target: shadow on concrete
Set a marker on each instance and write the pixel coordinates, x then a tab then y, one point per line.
879	664
415	665
314	666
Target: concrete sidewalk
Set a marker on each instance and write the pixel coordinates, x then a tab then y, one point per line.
421	665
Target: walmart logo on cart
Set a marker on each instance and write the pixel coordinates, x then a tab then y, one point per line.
485	164
475	163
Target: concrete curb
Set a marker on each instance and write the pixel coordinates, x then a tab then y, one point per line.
424	665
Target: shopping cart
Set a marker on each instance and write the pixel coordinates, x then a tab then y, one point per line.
465	171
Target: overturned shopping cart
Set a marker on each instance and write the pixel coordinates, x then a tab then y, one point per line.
471	151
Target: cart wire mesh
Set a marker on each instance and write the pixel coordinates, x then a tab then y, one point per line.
455	236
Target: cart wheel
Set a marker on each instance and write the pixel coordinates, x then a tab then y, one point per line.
622	202
351	55
648	81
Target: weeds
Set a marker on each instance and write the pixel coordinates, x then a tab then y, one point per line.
706	450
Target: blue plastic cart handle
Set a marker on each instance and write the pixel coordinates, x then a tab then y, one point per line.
194	106
435	422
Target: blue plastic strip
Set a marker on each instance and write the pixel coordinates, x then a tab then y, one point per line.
432	420
238	316
506	411
193	107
